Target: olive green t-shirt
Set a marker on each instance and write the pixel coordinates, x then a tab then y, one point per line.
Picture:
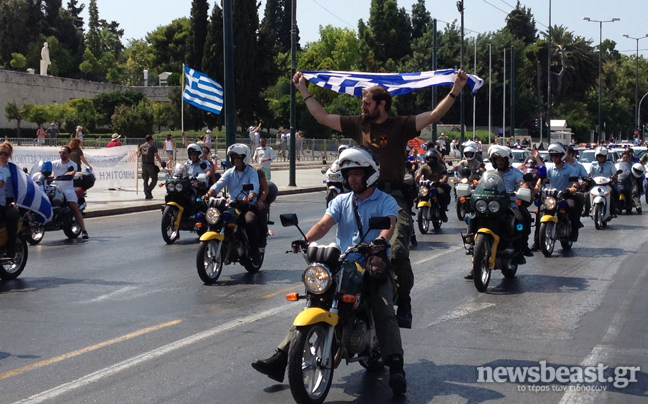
433	173
387	140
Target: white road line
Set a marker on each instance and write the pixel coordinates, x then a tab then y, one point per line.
156	353
437	255
113	294
462	311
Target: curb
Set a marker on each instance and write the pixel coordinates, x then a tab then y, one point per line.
156	206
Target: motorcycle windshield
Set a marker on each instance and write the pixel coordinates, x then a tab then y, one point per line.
180	171
490	184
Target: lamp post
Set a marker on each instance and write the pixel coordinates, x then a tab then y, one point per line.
637	80
600	123
460	8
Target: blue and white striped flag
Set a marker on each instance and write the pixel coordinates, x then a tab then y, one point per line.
202	91
396	83
29	196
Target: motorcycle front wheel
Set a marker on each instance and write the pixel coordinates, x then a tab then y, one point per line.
461	211
435	217
481	254
309	381
169	233
73	230
209	261
35	235
423	223
547	242
13	269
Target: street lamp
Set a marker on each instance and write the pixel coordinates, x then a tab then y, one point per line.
600	124
637	80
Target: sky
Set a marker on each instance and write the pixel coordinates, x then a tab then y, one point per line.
139	17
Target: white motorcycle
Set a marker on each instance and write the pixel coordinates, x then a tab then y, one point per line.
600	195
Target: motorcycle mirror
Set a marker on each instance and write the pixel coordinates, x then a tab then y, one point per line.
288	219
379	222
248	187
528	177
203	165
324	169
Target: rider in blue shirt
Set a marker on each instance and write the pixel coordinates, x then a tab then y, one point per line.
603	167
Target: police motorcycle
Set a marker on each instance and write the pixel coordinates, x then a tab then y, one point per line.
463	183
225	240
627	181
337	323
495	243
11	268
63	218
600	196
555	224
183	205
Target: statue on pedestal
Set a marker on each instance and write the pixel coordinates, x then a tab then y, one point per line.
45	59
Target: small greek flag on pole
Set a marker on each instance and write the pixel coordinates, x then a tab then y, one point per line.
202	91
353	83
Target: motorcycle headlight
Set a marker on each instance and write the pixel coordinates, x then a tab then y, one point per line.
481	206
212	216
170	187
424	191
317	279
493	206
179	187
550	203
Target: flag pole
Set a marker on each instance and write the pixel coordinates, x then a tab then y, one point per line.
182	99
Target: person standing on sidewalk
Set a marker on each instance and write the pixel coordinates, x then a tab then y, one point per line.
263	155
387	137
149	153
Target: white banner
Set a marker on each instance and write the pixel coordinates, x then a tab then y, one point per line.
113	167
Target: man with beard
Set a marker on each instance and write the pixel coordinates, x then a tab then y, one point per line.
387	137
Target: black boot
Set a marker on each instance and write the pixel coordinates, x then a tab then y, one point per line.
274	367
404	312
397	380
470	275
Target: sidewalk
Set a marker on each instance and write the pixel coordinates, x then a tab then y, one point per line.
104	202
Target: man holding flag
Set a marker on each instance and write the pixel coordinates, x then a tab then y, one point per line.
387	137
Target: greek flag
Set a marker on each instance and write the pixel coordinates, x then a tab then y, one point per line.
29	196
202	91
396	83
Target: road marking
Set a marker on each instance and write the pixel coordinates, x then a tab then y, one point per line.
156	353
85	350
462	311
112	294
437	255
280	291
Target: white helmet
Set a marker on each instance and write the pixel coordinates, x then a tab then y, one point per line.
469	149
603	151
500	151
638	170
360	157
469	143
342	148
558	148
242	150
194	147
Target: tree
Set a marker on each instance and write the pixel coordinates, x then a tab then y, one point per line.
421	19
106	103
75	12
12	111
93	42
80	112
134	121
387	37
212	63
196	37
521	24
18	61
14	33
36	113
169	44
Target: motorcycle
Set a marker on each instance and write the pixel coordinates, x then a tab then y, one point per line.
337	322
555	224
11	268
462	182
334	183
183	206
600	194
498	228
62	216
225	240
626	185
429	209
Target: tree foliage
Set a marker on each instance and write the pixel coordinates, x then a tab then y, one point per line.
134	121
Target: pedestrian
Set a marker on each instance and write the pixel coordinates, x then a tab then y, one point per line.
149	154
387	137
170	149
40	135
263	155
299	143
442	145
67	168
114	140
285	144
208	139
53	131
78	134
76	154
253	133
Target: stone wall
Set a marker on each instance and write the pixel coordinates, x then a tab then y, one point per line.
24	88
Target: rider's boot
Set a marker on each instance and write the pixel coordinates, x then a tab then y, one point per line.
404	312
274	367
397	380
470	275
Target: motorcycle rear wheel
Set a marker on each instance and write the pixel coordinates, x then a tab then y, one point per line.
35	235
249	265
546	241
209	261
461	212
169	234
14	269
435	217
481	253
423	223
309	381
73	230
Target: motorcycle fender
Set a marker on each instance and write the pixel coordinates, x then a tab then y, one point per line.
212	235
496	239
622	197
423	204
176	225
314	315
598	199
548	218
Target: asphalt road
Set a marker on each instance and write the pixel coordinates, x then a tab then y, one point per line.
124	318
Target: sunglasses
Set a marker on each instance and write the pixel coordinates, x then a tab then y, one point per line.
4	153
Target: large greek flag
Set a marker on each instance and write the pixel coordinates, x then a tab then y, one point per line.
202	91
396	83
28	195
